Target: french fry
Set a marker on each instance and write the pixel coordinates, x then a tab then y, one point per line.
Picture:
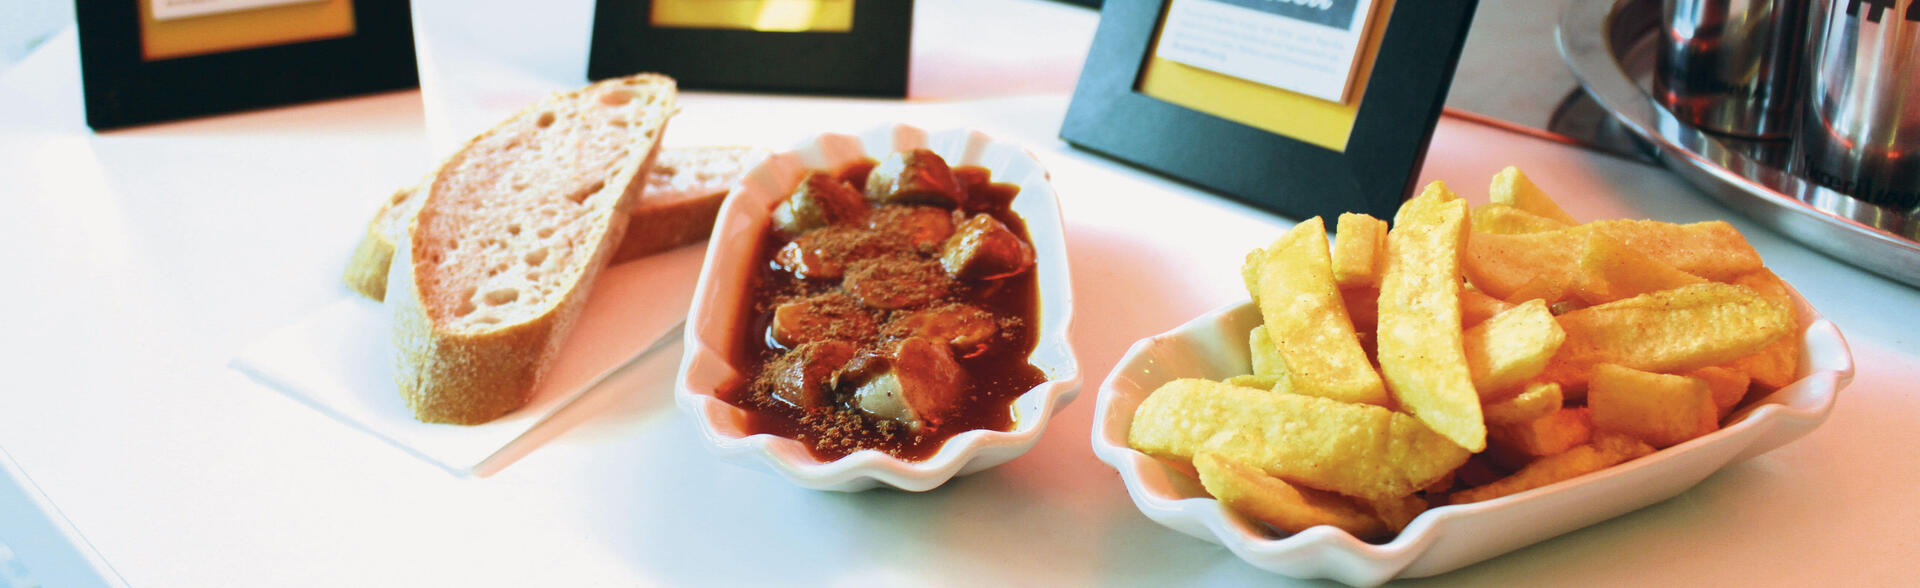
1476	307
1419	337
1500	264
1270	500
1610	271
1308	322
1603	453
1663	410
1669	331
1777	364
1265	354
1397	513
1512	187
1354	449
1728	386
1272	382
1363	308
1359	242
1537	400
1507	219
1505	351
1559	431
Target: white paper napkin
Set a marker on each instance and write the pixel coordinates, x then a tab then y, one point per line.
340	362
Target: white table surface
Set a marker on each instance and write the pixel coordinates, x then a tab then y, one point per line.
138	263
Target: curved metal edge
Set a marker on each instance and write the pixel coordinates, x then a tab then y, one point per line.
1827	221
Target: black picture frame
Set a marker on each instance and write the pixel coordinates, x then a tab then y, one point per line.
123	88
1374	174
869	60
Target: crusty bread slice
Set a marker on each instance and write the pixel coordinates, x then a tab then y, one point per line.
367	269
683	197
511	232
684	190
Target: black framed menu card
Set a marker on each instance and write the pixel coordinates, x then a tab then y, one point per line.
848	47
1301	107
146	61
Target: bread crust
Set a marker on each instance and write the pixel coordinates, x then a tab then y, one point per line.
456	362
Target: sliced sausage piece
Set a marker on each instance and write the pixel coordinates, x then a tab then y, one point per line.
920	385
896	282
831	316
923	228
983	249
804	377
914	177
966	329
822	199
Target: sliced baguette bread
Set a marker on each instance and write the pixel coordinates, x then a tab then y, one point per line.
683	197
684	189
510	234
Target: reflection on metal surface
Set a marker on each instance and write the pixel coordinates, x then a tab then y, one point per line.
1728	66
1859	128
1601	39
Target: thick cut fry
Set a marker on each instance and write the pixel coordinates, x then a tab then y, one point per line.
1559	431
1308	322
1777	364
1728	385
1397	513
1500	264
1363	308
1354	449
1610	271
1265	355
1669	331
1419	337
1359	241
1663	410
1253	493
1507	219
1539	399
1511	348
1261	381
1512	187
1603	453
1476	307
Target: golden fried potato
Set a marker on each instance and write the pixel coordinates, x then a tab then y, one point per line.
1264	353
1253	493
1663	410
1512	187
1272	382
1397	513
1476	307
1669	331
1603	453
1610	271
1419	337
1354	449
1537	400
1778	364
1559	431
1500	264
1511	348
1363	308
1728	385
1507	219
1359	242
1308	322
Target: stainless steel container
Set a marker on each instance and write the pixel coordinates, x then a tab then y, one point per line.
1728	66
1859	129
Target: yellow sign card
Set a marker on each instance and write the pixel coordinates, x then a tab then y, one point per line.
243	29
1319	122
789	16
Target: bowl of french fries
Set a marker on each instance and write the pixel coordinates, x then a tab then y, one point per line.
1406	402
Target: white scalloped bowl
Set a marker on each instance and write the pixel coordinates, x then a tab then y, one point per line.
713	320
1443	539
